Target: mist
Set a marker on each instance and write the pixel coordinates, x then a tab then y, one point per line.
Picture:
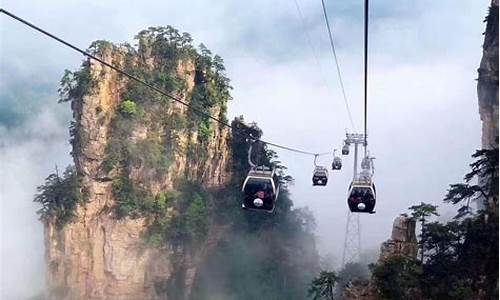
33	140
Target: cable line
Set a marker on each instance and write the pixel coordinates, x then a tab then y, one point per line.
366	72
174	98
332	44
296	150
310	43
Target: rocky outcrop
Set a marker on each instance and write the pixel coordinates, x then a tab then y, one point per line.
403	242
487	86
99	256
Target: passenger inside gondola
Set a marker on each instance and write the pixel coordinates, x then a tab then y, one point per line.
256	189
361	200
268	196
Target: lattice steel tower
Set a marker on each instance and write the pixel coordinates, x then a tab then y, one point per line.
352	238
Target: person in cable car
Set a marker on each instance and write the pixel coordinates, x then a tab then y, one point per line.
259	194
362	199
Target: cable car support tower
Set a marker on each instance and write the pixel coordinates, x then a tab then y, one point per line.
352	237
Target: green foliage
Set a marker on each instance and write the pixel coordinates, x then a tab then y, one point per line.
150	109
205	131
74	85
59	196
423	210
397	278
149	153
460	259
178	216
322	286
461	255
162	215
480	184
128	108
132	200
98	47
197	218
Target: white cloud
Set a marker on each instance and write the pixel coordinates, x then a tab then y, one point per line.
24	164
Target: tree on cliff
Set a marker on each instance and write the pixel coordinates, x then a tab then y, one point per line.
420	212
480	184
59	196
322	286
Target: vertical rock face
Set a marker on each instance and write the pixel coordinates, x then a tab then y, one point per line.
487	87
100	256
403	242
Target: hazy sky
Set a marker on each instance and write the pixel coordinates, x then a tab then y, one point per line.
423	114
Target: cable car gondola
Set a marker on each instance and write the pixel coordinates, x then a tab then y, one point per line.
362	196
261	189
362	193
337	161
320	176
345	148
261	186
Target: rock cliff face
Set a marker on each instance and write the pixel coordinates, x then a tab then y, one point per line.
487	87
100	256
403	242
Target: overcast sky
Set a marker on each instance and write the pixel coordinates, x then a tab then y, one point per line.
423	115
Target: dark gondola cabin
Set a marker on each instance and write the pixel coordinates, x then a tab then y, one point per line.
261	189
345	149
320	176
362	197
337	163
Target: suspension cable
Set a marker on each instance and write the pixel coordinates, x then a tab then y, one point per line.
366	75
339	73
310	43
174	98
